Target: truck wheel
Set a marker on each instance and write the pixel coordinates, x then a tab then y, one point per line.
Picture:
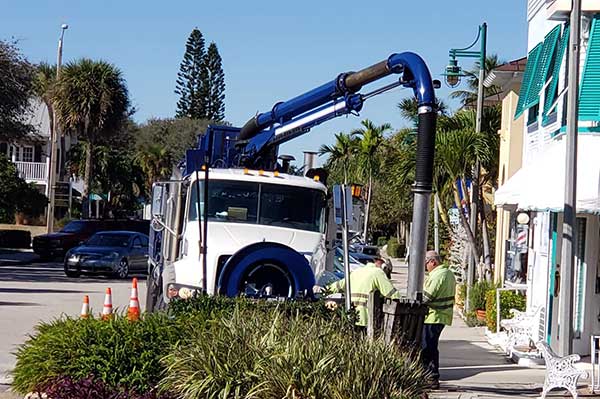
266	269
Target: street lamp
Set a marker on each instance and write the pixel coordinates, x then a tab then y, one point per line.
54	143
453	75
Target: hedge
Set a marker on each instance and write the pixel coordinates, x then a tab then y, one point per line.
508	300
15	239
214	347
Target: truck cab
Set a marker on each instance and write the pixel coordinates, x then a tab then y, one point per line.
265	234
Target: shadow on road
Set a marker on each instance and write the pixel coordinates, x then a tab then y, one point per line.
48	273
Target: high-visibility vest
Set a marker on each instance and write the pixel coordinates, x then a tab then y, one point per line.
439	291
363	281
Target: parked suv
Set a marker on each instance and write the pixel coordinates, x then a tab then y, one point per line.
48	246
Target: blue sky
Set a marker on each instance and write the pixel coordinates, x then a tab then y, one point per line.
271	50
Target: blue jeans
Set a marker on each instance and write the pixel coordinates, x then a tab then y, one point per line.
429	348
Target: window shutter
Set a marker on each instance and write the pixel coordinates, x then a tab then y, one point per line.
543	65
589	93
551	90
532	59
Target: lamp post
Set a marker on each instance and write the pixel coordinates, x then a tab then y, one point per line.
54	143
569	241
453	75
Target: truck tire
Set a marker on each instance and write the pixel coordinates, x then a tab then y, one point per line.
253	269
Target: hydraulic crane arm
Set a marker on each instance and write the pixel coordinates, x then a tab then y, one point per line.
410	65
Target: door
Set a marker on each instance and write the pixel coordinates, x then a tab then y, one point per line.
136	256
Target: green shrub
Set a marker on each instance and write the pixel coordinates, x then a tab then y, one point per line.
215	347
477	294
118	352
461	294
276	355
393	248
508	300
381	241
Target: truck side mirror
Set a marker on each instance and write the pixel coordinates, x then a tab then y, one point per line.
158	197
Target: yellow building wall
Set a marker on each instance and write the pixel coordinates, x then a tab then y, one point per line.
510	159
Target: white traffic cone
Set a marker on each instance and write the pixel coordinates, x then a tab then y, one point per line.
107	311
133	313
85	307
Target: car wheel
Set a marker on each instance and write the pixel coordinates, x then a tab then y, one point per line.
71	273
122	269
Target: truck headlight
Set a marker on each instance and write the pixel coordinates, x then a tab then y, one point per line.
182	291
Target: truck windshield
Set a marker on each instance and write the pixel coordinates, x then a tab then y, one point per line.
260	203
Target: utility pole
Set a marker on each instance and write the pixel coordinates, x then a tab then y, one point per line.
565	315
54	143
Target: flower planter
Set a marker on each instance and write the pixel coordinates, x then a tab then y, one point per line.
481	315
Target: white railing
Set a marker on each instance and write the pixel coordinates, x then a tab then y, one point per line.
32	171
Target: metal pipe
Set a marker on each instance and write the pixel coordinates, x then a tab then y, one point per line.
476	171
565	312
54	144
436	224
348	291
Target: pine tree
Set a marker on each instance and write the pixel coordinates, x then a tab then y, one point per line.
215	85
191	79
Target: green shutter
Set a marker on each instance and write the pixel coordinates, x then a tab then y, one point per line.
589	93
538	80
551	90
532	59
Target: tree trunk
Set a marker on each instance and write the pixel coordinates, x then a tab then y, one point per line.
443	214
368	208
487	258
466	196
86	180
465	223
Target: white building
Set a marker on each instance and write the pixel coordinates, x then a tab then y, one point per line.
538	187
31	154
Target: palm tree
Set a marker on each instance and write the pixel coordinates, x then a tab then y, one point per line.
468	97
91	100
409	109
43	87
155	161
371	141
341	153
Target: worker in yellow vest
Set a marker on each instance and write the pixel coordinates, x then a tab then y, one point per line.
363	281
438	293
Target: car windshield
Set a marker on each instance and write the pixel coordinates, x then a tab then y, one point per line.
260	203
74	227
108	240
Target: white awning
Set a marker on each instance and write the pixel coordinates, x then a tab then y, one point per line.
540	185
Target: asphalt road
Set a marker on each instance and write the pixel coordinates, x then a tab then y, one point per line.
41	292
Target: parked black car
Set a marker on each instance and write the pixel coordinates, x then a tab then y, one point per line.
51	245
109	252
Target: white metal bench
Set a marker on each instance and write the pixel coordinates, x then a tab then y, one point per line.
522	328
560	371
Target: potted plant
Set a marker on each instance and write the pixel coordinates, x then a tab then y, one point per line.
477	298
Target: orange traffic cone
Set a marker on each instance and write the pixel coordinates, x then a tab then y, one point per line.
85	308
133	313
108	308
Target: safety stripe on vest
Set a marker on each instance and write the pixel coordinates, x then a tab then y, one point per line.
359	304
392	292
448	298
357	295
441	307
